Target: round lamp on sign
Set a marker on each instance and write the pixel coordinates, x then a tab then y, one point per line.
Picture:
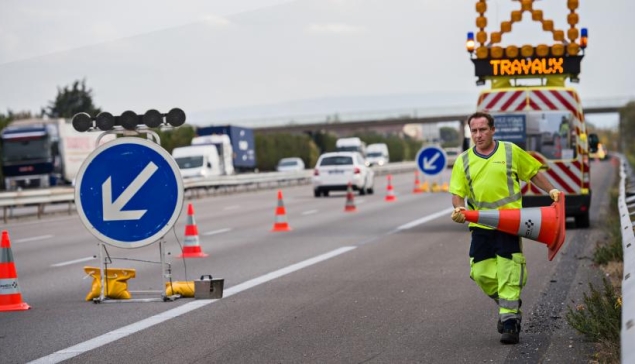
129	120
527	51
469	44
105	121
82	121
175	117
152	118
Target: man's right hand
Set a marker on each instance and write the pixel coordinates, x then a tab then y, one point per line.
457	216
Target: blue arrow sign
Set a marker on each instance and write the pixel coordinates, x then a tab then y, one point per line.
129	192
431	160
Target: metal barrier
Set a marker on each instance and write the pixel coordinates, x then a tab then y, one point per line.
626	207
194	186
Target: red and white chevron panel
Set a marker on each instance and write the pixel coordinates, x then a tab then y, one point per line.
503	101
565	176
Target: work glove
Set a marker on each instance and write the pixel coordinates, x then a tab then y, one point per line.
554	194
457	216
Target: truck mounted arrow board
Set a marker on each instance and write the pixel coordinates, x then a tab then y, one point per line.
129	192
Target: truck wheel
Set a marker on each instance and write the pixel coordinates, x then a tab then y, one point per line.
582	221
316	193
325	193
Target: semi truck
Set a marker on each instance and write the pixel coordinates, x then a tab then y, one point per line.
41	153
534	107
243	151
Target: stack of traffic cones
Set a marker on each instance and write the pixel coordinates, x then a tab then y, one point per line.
280	223
350	201
191	246
417	188
10	297
390	193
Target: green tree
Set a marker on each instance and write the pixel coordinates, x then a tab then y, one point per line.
627	129
450	136
270	148
177	137
71	100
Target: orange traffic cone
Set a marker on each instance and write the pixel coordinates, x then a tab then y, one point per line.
390	193
350	201
191	246
10	297
280	222
444	187
417	188
543	224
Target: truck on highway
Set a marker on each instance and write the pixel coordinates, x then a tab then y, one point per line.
353	144
241	140
377	154
534	107
224	149
197	161
40	153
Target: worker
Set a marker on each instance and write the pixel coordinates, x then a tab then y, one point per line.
488	175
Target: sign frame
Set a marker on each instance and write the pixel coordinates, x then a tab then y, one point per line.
164	159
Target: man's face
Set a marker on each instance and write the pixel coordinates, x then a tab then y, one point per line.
482	133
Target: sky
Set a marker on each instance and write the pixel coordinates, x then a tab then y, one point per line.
256	60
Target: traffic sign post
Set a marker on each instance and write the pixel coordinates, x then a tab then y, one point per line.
431	160
129	194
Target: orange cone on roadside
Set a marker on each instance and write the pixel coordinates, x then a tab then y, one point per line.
390	193
280	222
444	187
191	246
542	224
350	200
10	296
417	188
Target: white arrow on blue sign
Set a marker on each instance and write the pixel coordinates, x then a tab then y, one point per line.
129	192
431	160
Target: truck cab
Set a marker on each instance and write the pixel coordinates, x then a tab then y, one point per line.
197	161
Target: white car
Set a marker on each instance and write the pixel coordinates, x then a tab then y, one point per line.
290	165
452	154
333	172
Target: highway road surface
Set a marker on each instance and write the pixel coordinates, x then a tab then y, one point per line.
388	283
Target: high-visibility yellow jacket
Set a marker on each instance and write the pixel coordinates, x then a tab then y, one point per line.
492	182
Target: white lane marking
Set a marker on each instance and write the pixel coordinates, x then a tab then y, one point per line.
309	212
114	335
231	207
425	219
73	262
35	238
219	231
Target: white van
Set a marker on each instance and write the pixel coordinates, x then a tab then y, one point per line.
197	161
377	154
224	148
351	145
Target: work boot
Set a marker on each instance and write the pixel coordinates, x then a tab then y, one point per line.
511	332
499	324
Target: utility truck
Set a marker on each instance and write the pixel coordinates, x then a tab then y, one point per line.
40	153
197	161
534	107
243	149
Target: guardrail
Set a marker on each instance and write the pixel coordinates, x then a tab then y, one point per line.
626	207
194	187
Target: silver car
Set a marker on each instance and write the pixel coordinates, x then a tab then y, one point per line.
333	172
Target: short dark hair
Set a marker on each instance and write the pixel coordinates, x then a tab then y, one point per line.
482	114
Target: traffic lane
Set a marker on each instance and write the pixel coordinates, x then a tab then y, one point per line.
403	298
240	265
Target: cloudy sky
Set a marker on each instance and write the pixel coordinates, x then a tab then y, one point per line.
254	58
